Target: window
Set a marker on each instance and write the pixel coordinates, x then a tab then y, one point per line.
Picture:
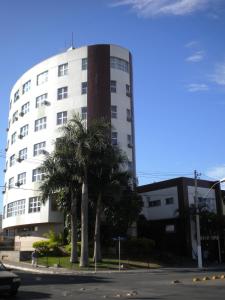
62	93
114	138
25	109
34	204
207	203
113	111
40	124
16	96
16	208
11	183
13	138
39	148
41	100
23	154
113	86
129	141
42	78
129	116
84	87
119	64
84	63
154	203
84	113
128	90
15	116
170	228
63	70
21	179
26	86
169	201
61	118
38	174
12	160
24	131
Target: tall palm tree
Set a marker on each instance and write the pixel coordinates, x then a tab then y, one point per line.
85	141
104	179
61	183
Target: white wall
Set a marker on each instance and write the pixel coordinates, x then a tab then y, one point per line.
164	211
73	103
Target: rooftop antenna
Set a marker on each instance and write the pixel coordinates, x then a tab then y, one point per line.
72	46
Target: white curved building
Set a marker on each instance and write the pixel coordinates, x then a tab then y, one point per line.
95	81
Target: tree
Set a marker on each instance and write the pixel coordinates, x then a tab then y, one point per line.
84	141
104	178
61	184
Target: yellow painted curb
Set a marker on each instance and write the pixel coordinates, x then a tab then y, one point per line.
205	278
196	279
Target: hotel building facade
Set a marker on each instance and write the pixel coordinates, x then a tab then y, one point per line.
94	81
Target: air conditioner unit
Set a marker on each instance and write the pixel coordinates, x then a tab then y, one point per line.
46	102
20	136
129	119
21	113
128	94
15	118
19	159
130	145
18	184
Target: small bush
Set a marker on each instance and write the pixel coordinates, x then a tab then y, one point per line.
42	247
68	248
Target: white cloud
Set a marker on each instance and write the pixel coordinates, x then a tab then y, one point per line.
196	57
197	87
192	44
149	8
219	74
216	172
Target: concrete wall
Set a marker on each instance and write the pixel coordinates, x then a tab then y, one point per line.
10	256
163	211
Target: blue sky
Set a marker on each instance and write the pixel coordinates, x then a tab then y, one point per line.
178	49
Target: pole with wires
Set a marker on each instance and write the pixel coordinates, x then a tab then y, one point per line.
198	231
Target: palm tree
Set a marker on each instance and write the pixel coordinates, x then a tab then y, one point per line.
61	183
85	141
104	179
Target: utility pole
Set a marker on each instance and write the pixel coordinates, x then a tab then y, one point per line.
198	232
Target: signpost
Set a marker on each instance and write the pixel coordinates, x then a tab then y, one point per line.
119	238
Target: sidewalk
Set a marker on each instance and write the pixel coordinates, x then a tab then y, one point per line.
66	271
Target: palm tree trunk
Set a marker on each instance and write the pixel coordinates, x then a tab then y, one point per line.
73	256
84	225
97	244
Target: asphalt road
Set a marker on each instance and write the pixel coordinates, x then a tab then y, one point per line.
140	285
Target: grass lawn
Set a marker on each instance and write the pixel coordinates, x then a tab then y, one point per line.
106	264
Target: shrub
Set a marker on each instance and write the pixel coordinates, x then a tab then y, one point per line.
68	248
42	247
